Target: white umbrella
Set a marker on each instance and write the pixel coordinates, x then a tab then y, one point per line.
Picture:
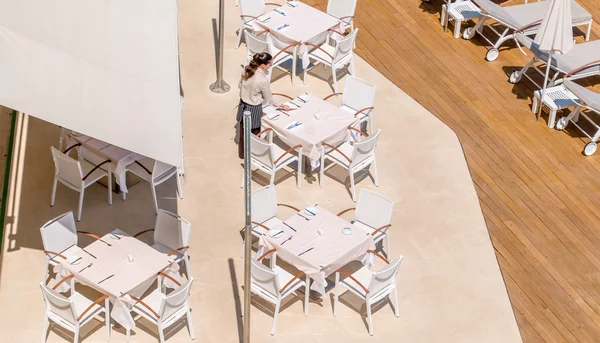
555	34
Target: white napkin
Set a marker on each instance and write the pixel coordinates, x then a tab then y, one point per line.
277	10
304	98
272	115
293	3
264	19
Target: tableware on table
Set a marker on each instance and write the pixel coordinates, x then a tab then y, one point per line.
265	19
282	243
84	268
347	231
74	260
130	258
275	233
115	236
321	232
282	111
312	211
106	278
293	3
273	116
317	116
291	228
304	98
282	27
277	10
295	104
87	252
305	251
302	216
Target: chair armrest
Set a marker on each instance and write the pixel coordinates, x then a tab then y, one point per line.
338	150
63	280
338	32
287	152
139	301
357	130
170	278
96	302
94	169
289	206
283	95
341	271
330	95
262	33
523	28
346	17
54	253
178	249
272	4
379	255
89	234
142	232
143	167
318	47
290	282
346	210
264	131
585	66
381	228
364	109
247	16
275	58
266	254
71	147
261	225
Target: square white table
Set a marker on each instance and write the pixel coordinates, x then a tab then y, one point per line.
330	252
104	266
305	24
331	127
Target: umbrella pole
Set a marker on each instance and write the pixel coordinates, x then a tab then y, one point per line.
539	112
248	225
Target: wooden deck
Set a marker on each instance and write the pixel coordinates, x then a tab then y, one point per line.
539	195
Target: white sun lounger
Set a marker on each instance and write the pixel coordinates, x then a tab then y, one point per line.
525	18
587	100
580	62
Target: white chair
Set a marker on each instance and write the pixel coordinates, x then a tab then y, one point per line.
343	10
353	156
73	312
155	173
373	213
70	172
165	310
358	98
370	286
335	57
256	44
172	237
267	284
249	11
264	211
270	158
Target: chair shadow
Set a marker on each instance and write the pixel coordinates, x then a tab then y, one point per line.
319	72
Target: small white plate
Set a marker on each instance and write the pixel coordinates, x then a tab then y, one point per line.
347	231
312	209
74	260
276	233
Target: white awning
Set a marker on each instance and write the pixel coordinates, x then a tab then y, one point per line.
108	69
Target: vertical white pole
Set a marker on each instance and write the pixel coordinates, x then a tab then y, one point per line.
248	226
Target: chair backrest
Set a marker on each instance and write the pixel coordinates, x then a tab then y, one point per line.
496	11
262	152
264	204
364	149
255	45
171	230
341	8
373	209
58	305
264	279
59	233
358	94
385	277
67	168
175	300
253	8
344	46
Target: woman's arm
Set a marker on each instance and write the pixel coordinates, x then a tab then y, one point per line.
265	90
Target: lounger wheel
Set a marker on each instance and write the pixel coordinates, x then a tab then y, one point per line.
492	54
561	123
514	77
590	148
468	33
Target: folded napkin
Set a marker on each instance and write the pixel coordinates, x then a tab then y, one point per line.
272	115
304	98
264	19
277	10
292	105
293	3
282	27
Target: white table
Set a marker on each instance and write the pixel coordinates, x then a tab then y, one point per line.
96	151
331	127
330	252
107	269
306	24
556	98
458	11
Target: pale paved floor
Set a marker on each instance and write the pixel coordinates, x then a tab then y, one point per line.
450	286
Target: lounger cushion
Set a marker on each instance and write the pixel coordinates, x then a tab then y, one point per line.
592	99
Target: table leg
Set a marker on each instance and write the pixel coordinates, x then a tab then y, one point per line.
306	295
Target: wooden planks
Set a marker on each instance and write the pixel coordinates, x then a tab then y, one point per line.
539	195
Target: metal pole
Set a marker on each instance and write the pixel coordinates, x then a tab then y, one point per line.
247	227
220	86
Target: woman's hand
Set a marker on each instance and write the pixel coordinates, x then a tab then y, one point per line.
285	107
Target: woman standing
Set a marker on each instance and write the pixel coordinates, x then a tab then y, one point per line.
255	91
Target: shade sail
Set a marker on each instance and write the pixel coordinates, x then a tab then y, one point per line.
108	69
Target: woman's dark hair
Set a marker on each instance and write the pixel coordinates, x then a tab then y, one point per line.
258	60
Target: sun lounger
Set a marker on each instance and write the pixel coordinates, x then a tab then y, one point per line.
580	62
525	18
588	100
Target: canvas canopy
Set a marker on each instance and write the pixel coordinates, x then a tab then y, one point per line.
108	69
